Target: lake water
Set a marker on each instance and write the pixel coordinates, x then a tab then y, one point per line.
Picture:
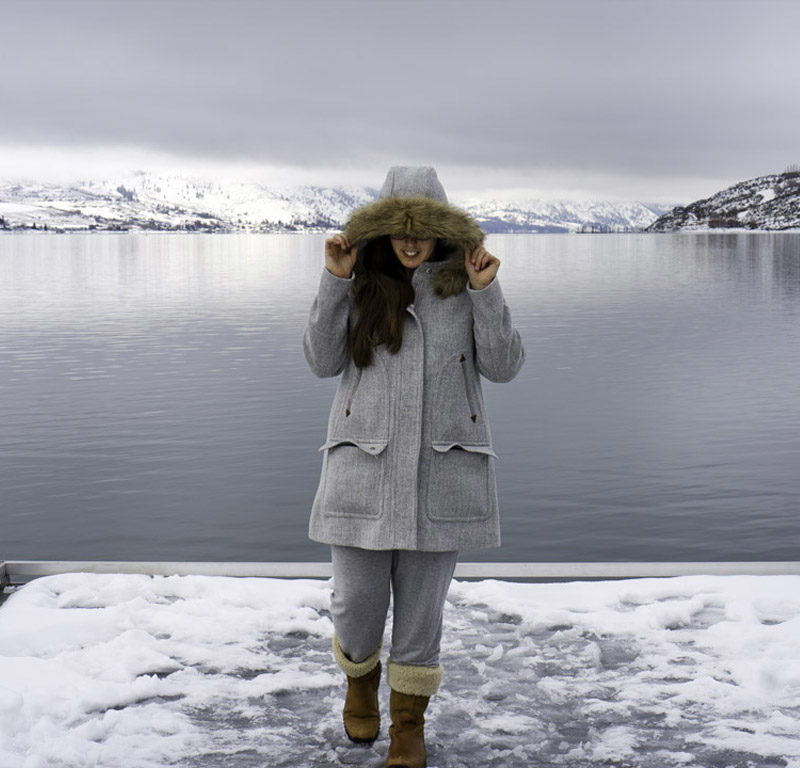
155	403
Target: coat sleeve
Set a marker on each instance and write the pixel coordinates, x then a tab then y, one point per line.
498	345
326	335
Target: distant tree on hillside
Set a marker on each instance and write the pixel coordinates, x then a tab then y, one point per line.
128	194
793	168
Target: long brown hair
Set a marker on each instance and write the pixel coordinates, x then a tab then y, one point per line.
383	290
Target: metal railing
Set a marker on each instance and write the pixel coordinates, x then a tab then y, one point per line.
17	572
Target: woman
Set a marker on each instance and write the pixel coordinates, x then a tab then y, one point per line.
408	312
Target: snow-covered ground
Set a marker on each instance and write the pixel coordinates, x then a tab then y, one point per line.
134	671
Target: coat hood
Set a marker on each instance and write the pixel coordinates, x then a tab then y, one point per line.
413	201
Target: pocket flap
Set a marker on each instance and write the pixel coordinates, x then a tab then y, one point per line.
445	447
372	447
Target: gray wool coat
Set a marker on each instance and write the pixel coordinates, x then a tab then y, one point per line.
408	461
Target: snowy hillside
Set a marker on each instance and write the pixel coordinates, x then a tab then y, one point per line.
765	203
145	201
160	202
563	216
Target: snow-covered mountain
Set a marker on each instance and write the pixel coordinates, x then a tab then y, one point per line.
562	216
765	203
144	201
161	202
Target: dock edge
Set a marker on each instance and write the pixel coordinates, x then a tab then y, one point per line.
17	572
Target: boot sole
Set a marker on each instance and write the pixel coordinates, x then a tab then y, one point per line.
367	741
404	765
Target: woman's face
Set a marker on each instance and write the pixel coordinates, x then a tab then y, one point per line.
412	251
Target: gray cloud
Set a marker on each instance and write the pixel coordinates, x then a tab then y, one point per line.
647	89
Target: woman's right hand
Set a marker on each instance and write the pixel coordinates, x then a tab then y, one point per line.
340	256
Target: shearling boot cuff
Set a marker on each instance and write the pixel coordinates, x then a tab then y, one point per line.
355	668
413	680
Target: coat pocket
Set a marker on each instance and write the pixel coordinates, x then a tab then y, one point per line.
458	413
362	405
461	483
352	478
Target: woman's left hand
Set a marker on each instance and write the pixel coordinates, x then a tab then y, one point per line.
481	267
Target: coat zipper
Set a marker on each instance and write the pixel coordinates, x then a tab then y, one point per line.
353	394
472	413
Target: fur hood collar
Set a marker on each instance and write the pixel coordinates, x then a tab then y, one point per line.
421	217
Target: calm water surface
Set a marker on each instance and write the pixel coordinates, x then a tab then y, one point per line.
155	404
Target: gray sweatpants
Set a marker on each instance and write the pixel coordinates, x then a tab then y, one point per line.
419	581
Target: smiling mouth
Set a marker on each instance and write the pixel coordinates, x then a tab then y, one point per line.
411	254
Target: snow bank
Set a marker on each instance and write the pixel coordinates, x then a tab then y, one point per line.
134	671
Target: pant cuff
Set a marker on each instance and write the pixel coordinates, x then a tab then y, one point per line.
355	668
414	680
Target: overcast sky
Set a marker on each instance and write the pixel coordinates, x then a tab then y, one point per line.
664	100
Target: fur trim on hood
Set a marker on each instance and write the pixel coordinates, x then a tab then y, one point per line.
423	217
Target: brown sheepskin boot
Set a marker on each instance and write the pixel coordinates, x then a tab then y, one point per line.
411	686
406	733
362	718
361	715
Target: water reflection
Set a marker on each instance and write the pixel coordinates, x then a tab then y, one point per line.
155	403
